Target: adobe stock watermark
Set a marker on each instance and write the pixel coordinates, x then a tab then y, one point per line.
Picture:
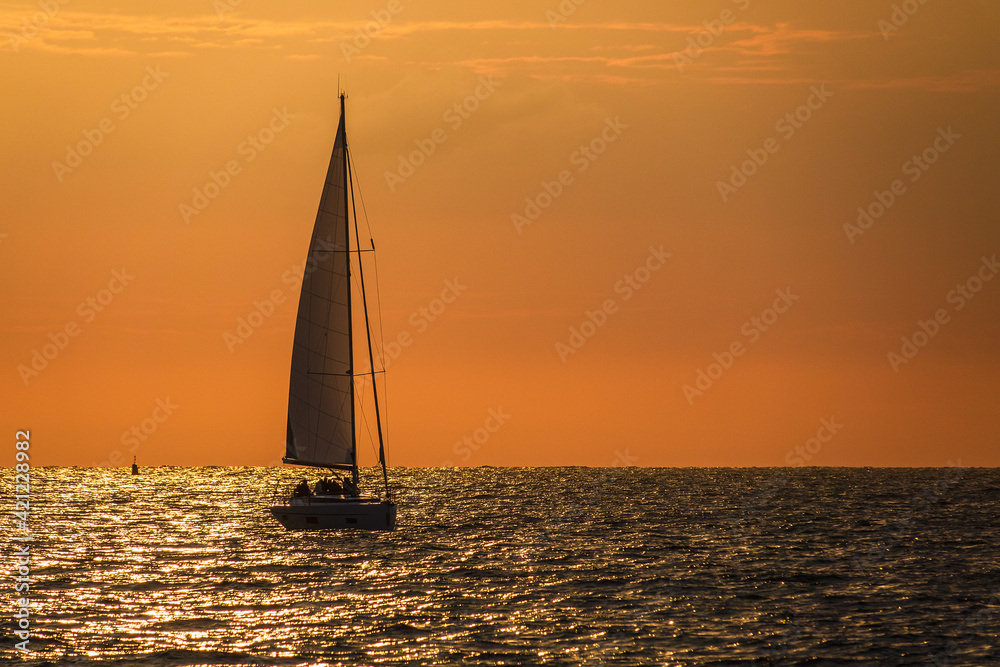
546	538
31	27
915	167
249	149
781	646
875	550
224	7
786	126
469	444
926	330
581	158
802	454
900	16
626	287
122	107
698	42
364	34
140	433
88	310
973	626
22	552
262	310
421	318
623	459
562	13
752	506
453	117
752	329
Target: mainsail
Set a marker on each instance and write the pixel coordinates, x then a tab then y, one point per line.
321	389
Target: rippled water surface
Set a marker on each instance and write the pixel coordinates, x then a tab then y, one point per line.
488	566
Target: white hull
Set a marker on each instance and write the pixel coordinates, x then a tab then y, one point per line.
319	513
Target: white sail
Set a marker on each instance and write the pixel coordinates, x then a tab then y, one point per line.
321	391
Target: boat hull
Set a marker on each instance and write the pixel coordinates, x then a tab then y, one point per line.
364	514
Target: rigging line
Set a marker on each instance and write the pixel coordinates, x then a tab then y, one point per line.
361	196
346	184
364	417
378	295
357	291
385	382
368	331
381	335
378	298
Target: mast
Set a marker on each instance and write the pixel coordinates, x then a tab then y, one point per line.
368	331
350	325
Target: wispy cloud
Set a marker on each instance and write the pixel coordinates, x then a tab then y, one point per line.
960	82
629	53
117	34
784	39
969	81
247	33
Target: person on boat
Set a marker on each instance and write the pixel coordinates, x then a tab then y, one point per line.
332	487
302	490
350	488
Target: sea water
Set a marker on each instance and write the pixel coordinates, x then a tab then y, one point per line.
517	566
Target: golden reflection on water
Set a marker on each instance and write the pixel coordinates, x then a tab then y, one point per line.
186	566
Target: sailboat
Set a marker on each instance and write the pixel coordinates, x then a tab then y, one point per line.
322	429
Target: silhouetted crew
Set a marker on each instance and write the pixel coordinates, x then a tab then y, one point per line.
302	490
350	488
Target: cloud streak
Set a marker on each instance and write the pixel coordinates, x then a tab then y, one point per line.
631	53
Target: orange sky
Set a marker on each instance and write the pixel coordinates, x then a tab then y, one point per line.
609	108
